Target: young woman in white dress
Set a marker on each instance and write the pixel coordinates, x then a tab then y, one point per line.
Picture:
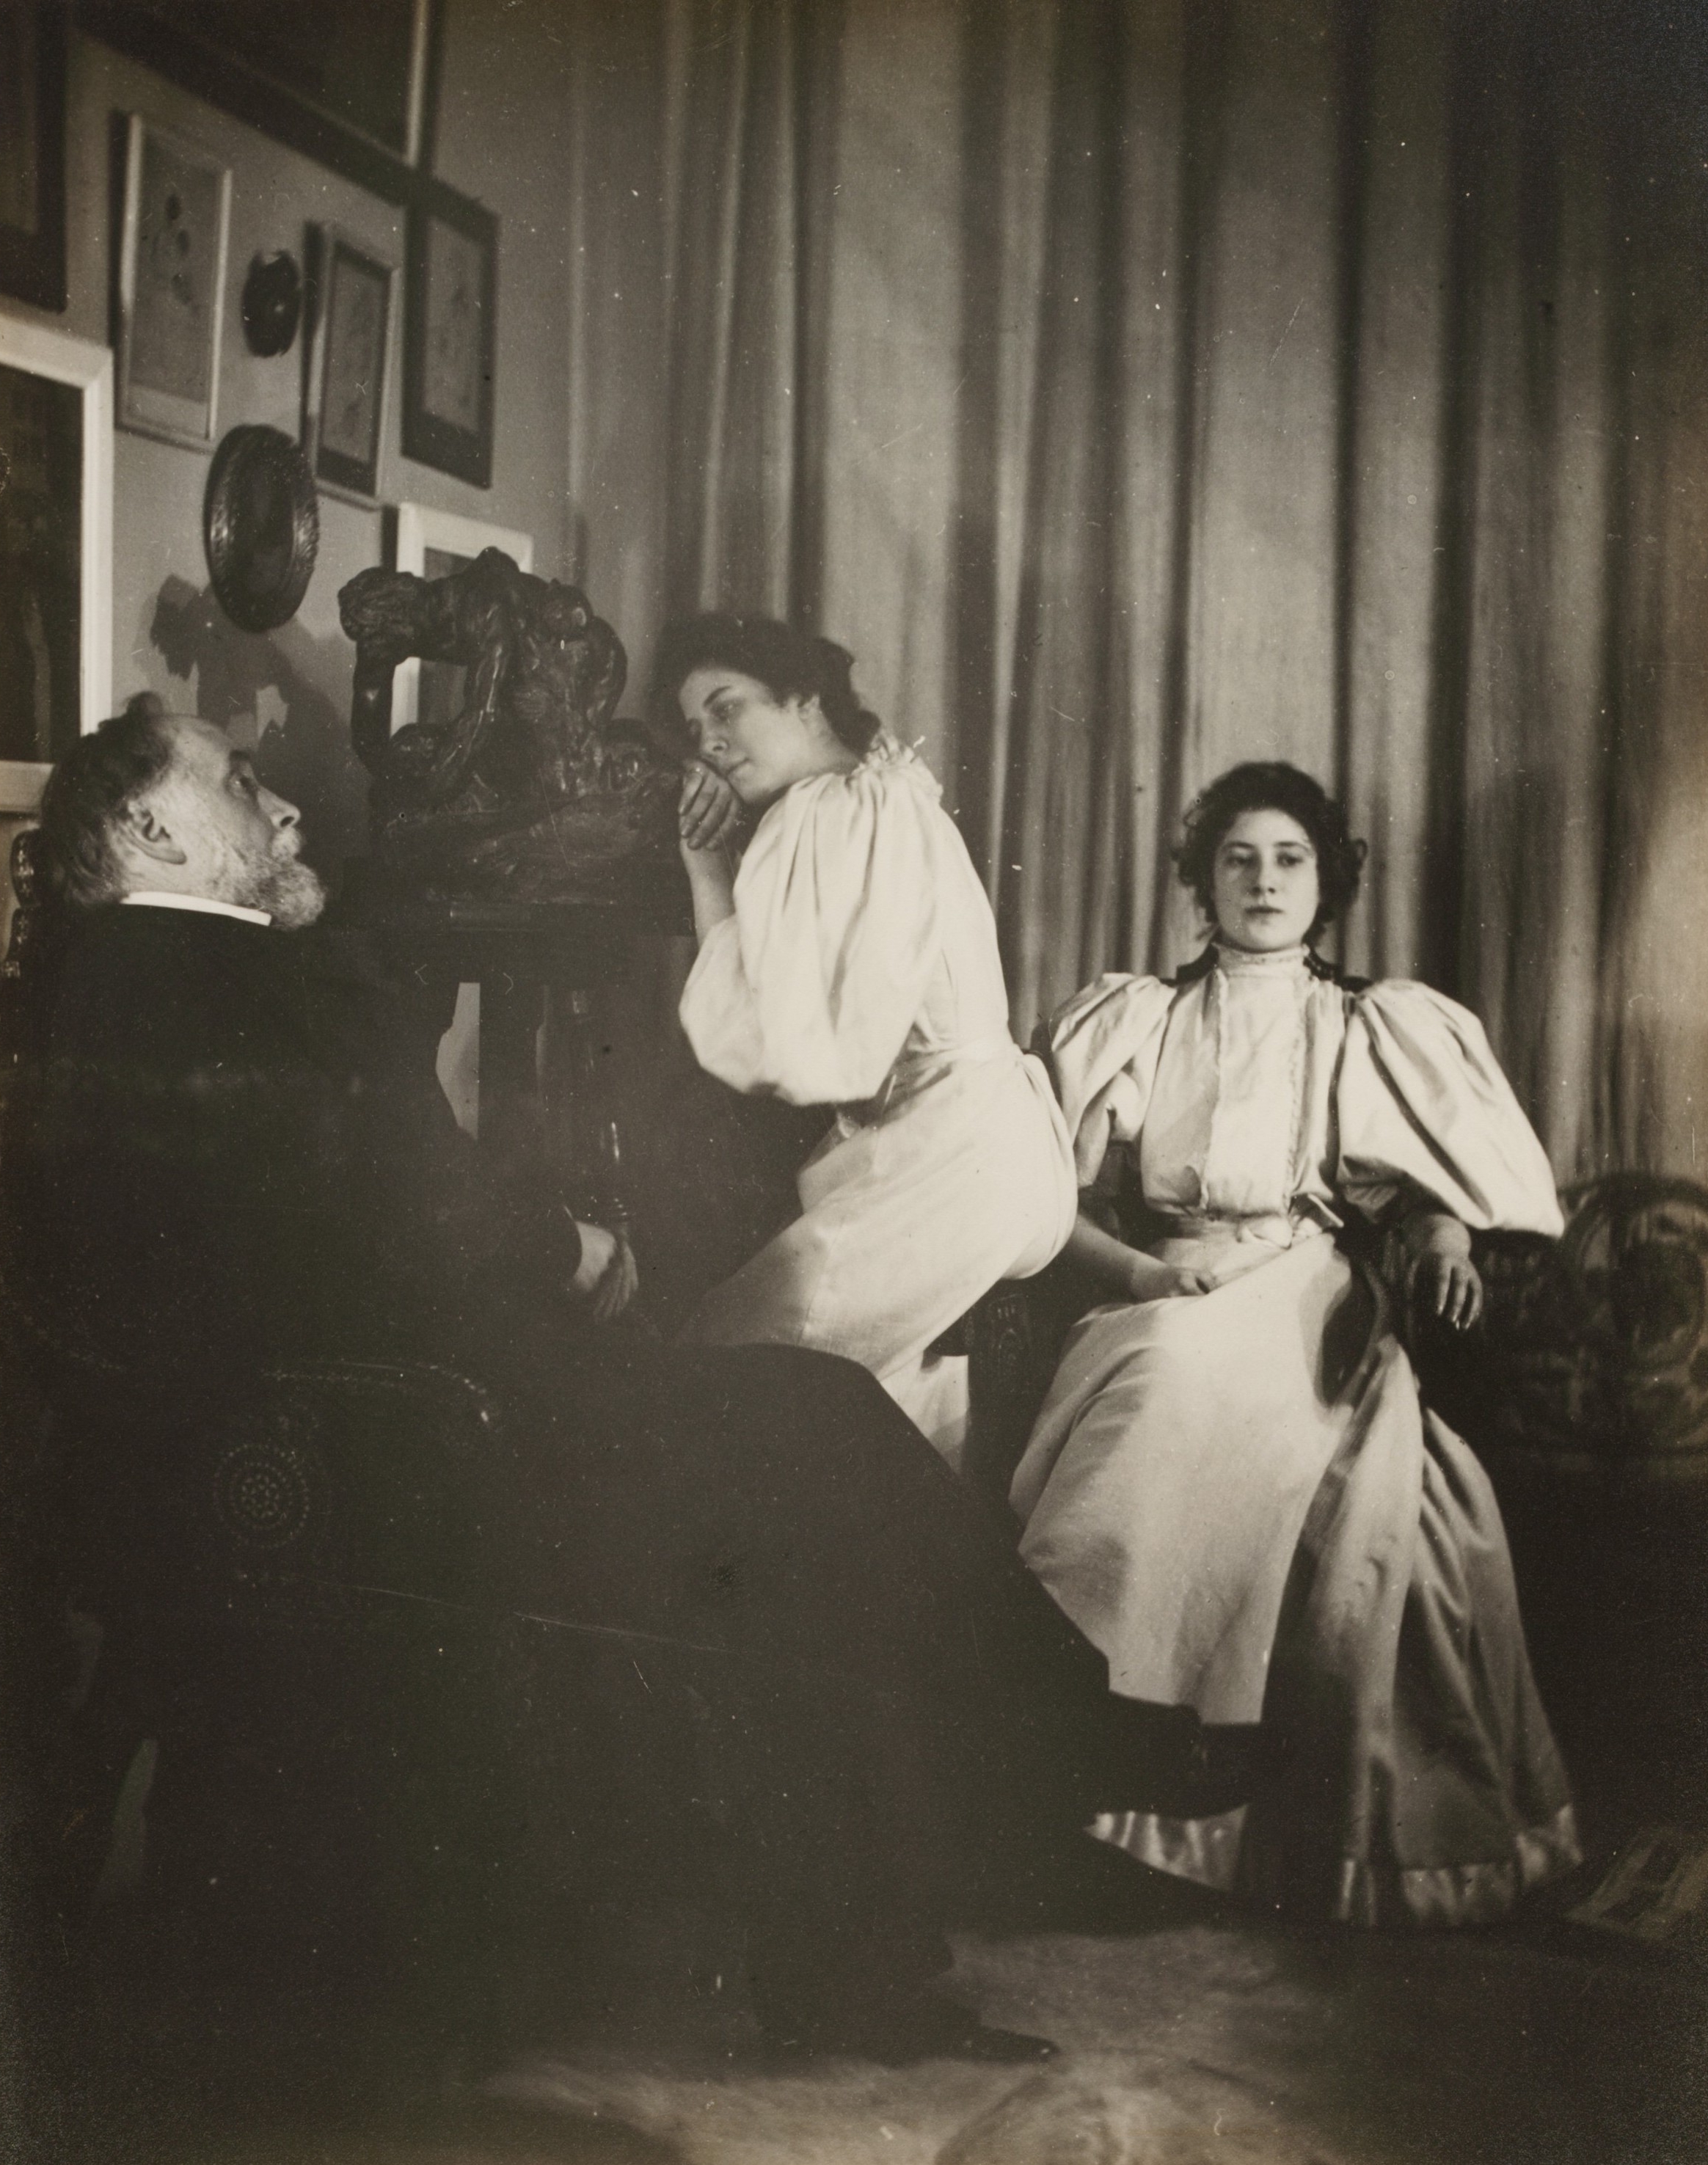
1233	1487
850	961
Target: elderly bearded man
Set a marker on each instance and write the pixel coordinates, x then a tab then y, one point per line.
217	1158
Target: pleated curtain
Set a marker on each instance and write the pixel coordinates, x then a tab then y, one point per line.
1139	386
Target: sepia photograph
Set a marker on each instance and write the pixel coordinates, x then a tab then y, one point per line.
853	1256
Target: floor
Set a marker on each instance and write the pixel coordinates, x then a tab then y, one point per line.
1207	2040
1188	2033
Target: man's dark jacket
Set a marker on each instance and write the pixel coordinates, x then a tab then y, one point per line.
230	1147
227	1148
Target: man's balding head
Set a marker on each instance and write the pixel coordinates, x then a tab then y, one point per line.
166	802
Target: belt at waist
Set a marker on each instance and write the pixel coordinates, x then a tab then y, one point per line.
1280	1229
914	1072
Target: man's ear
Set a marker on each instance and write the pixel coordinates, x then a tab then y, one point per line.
146	832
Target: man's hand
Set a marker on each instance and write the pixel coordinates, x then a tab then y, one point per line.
708	812
608	1278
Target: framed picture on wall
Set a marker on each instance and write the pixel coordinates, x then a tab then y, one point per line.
349	350
350	83
33	151
449	334
172	285
433	544
55	550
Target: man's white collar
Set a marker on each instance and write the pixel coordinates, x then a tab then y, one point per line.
153	898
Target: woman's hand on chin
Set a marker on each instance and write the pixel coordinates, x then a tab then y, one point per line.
1147	1279
707	813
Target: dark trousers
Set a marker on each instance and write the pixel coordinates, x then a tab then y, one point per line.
888	1691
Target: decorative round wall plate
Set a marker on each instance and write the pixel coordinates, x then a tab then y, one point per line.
260	527
272	304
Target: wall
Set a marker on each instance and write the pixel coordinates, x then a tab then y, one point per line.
501	140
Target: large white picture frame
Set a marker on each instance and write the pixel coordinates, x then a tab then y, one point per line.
35	350
423	536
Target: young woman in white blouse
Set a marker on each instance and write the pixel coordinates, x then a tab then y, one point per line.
1233	1489
850	961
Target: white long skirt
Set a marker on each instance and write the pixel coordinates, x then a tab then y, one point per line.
1242	1501
907	1218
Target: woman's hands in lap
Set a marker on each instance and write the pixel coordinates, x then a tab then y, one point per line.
1129	1273
1147	1279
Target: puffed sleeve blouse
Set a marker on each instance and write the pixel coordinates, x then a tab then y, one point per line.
860	931
1262	1089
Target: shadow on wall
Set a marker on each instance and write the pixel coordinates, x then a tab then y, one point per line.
272	689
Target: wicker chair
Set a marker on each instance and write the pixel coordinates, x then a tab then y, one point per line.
1589	1368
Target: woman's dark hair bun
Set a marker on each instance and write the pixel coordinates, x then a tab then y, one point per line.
790	661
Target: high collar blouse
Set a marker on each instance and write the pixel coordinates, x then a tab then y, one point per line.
862	943
1262	1089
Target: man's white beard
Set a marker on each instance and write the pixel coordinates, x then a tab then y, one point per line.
274	880
294	895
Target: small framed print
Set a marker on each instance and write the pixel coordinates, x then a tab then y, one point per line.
433	544
55	550
172	285
449	336
344	404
